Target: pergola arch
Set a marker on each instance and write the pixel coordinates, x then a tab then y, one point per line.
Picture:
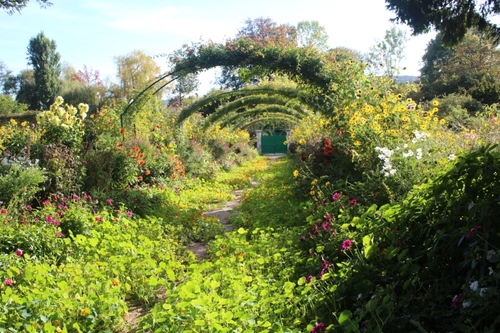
315	73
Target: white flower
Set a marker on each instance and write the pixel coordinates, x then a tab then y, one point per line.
490	254
482	291
408	153
451	157
419	153
474	285
466	304
491	270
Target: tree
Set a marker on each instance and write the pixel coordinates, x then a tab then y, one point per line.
472	67
5	73
82	86
262	32
453	18
386	55
135	71
312	35
11	6
265	32
24	87
45	60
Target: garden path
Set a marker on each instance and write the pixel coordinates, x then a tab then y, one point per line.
200	249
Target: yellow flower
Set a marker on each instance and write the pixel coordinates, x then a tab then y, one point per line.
302	141
435	103
357	143
85	312
296	173
314	182
312	193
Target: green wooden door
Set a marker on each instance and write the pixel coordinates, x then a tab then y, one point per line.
273	144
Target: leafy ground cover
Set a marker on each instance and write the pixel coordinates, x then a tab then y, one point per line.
114	257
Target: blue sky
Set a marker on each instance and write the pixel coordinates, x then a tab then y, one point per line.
93	32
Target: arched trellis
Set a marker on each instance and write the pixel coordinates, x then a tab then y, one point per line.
262	110
244	123
242	106
313	69
267	93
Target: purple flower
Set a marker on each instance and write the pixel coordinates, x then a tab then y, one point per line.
319	328
336	196
309	278
19	252
8	282
328	218
326	226
352	202
346	245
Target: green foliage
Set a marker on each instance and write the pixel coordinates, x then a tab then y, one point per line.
9	106
19	183
108	170
386	55
11	6
452	20
43	57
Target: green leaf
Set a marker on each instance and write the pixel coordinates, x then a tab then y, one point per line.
371	304
344	317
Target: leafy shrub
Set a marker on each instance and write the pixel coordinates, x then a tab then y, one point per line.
19	184
107	170
64	170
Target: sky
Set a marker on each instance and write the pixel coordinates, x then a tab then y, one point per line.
94	32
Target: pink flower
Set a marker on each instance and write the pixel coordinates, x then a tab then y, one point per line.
457	300
319	328
75	197
352	202
98	218
57	223
3	211
130	214
29	208
346	245
326	226
109	202
336	196
48	219
46	202
473	231
59	234
309	278
8	282
19	252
